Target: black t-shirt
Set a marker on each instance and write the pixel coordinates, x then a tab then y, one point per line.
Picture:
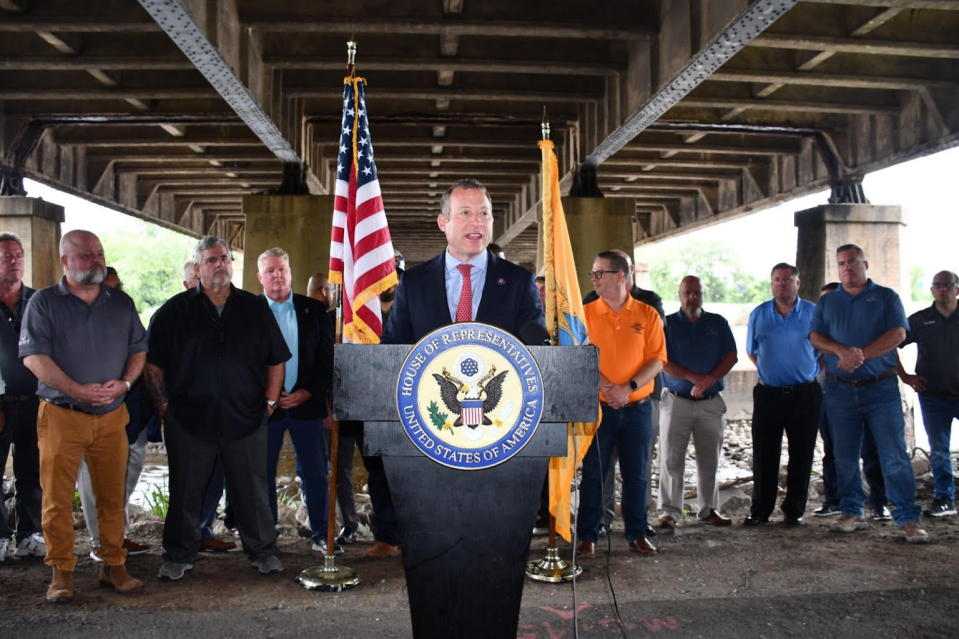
18	378
215	366
938	359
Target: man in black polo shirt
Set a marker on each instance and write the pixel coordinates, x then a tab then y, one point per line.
85	344
214	370
935	331
20	404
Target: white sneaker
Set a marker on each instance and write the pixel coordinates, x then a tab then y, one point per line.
32	546
95	557
4	548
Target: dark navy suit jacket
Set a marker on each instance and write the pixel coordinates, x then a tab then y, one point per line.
315	366
509	300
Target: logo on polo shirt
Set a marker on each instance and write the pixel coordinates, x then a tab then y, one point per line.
637	327
469	396
872	298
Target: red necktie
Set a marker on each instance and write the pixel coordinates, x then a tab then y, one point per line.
464	312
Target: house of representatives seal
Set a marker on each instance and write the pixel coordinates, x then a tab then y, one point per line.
469	395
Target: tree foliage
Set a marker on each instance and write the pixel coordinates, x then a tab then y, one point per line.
149	263
919	284
717	266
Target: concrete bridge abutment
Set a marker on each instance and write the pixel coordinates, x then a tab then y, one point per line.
877	229
37	223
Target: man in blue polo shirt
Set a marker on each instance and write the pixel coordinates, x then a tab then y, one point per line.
701	350
786	397
857	329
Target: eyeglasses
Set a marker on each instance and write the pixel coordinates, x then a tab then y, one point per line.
11	256
946	285
599	274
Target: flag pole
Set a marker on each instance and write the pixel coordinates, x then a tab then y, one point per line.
552	568
329	577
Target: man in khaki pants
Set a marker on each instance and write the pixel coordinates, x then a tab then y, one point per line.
86	345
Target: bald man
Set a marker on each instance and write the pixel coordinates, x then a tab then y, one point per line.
86	345
701	351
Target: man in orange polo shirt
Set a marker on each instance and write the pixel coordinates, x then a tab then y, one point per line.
632	351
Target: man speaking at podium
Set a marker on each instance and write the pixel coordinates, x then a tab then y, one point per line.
476	285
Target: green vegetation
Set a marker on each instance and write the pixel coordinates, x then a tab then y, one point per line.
158	500
919	284
717	266
149	263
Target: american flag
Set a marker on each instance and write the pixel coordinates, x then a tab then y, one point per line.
361	252
471	412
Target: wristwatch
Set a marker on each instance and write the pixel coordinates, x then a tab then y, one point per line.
272	404
129	385
633	385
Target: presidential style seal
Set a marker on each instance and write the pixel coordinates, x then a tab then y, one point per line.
469	395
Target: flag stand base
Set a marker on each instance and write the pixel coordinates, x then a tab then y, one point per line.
328	577
552	569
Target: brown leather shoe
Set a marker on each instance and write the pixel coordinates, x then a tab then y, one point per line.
134	548
216	545
642	546
715	519
586	548
913	533
667	523
119	579
382	549
61	587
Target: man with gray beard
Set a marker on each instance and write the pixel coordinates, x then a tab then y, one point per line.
86	345
215	371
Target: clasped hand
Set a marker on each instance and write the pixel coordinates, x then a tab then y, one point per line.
101	394
850	358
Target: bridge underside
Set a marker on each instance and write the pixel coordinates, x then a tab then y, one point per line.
698	110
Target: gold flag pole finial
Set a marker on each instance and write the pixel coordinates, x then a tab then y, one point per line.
545	124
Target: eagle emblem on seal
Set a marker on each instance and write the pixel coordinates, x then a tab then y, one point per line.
471	391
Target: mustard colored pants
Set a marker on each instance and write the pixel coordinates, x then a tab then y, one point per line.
65	437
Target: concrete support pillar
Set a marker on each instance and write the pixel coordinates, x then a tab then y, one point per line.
596	225
876	229
37	223
298	224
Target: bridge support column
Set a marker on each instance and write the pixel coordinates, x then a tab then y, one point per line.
596	225
876	229
298	224
37	223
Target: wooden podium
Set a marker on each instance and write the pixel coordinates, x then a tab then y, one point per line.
464	534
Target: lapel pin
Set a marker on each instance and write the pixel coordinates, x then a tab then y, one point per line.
501	281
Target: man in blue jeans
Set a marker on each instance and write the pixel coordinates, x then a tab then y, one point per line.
870	461
302	405
632	351
935	331
857	328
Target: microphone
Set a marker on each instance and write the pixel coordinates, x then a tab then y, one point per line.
533	334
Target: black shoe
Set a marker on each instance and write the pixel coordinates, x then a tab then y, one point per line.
881	513
346	537
792	521
753	520
650	531
827	510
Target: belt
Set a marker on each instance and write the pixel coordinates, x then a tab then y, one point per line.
10	399
786	389
72	407
690	397
862	382
636	403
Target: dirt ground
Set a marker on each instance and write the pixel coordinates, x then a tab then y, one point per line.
770	581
